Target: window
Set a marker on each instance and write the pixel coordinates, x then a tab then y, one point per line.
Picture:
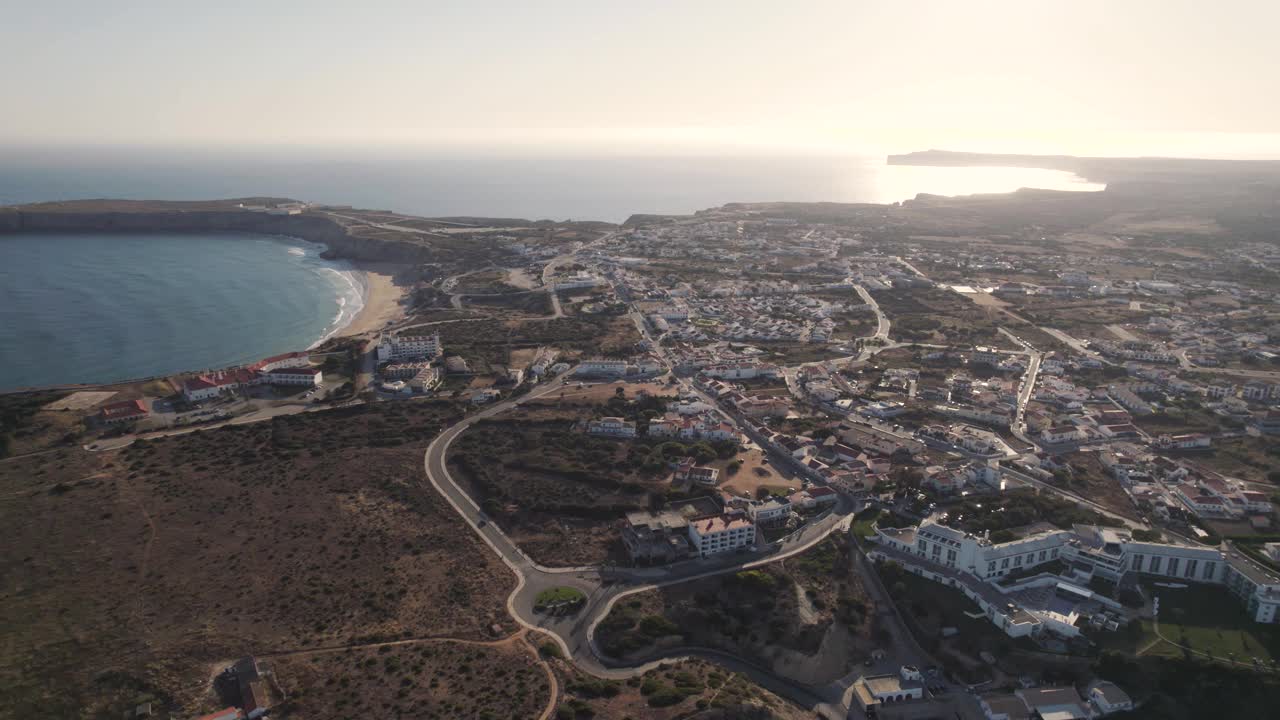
922	544
1173	566
1155	564
1191	568
1017	562
1137	563
1004	564
1042	554
1054	553
991	566
1209	569
1031	558
951	556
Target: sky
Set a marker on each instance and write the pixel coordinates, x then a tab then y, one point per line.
1113	77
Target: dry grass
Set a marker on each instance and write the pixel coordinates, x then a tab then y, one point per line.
145	568
709	693
427	680
771	614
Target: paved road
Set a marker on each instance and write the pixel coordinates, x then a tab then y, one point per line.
604	585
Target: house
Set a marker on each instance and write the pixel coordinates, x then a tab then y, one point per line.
612	427
1256	391
773	511
122	412
662	428
1269	423
1191	441
1207	505
1107	697
456	364
426	379
812	497
761	407
696	474
985	356
944	482
1060	434
484	395
200	389
1003	706
876	690
721	533
1062	703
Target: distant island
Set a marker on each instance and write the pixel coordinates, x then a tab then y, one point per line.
1103	169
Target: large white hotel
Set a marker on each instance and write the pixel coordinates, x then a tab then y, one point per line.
397	346
978	567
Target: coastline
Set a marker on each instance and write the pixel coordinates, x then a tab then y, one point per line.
382	300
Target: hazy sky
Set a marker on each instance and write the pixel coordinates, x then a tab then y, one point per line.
1111	76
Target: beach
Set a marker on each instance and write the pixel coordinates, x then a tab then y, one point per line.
382	300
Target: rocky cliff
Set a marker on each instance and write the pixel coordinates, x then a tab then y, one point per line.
311	226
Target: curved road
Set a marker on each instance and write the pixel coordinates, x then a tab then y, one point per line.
605	585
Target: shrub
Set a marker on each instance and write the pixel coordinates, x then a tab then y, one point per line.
657	626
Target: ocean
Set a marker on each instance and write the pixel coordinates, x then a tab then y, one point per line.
531	186
91	308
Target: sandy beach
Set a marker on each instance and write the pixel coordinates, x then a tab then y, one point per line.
381	302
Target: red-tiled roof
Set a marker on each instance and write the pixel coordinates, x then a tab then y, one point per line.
125	408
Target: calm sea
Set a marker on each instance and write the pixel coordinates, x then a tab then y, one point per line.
521	186
77	308
94	308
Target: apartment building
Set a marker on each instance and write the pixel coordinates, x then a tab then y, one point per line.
399	346
720	534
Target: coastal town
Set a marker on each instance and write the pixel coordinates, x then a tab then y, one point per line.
918	474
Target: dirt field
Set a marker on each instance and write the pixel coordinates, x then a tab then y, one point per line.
601	392
81	401
756	472
808	617
134	574
559	493
940	316
431	679
1090	479
1248	458
683	689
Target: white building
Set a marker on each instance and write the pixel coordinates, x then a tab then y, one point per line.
396	346
1061	434
612	427
721	533
769	512
1088	550
308	376
876	690
601	366
1107	697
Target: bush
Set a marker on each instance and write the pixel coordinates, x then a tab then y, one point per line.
666	697
657	626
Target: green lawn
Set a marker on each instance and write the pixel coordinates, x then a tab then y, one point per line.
931	606
1209	619
562	594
